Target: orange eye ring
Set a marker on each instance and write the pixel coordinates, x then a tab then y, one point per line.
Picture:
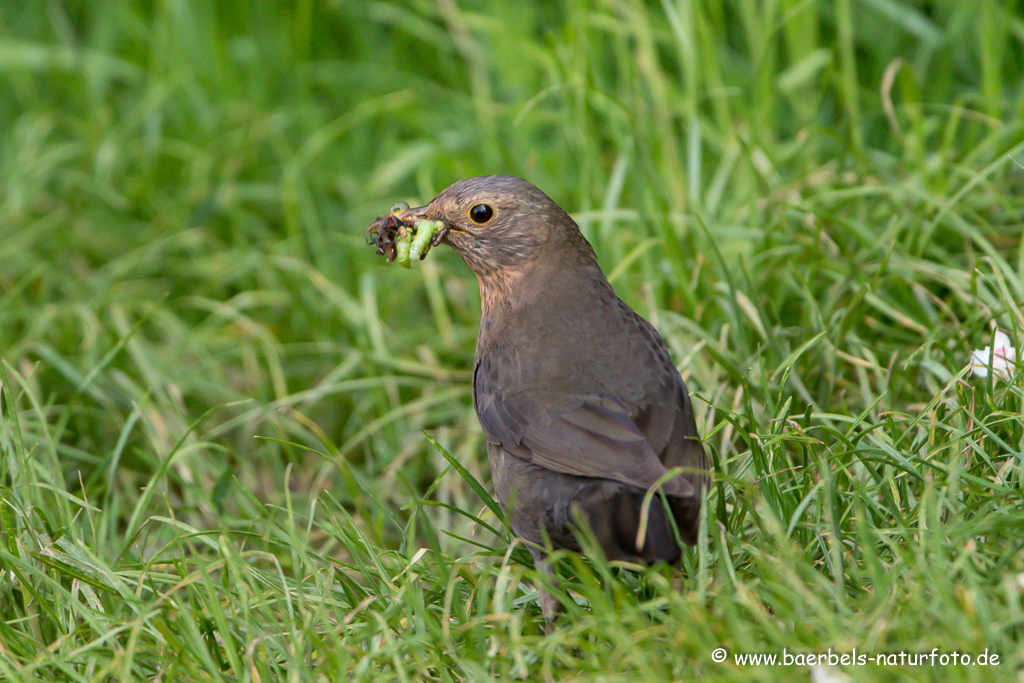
481	213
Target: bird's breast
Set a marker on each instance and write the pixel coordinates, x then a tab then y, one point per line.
575	345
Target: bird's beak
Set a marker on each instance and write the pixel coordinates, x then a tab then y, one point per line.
421	213
412	215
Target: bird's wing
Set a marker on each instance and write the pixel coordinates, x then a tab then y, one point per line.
592	436
669	425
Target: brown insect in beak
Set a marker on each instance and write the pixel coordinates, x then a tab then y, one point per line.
385	229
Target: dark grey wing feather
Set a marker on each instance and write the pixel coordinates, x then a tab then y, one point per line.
673	426
590	437
669	425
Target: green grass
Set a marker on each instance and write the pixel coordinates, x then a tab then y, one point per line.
224	421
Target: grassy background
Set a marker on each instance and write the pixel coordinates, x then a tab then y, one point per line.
218	405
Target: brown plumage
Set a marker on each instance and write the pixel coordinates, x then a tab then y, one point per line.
581	405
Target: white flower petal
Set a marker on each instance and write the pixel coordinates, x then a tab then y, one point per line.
979	361
1001	357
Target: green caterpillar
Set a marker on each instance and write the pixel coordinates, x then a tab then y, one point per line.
415	245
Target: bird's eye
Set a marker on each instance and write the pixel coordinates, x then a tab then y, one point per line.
481	213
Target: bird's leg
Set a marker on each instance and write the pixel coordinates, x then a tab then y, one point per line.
549	604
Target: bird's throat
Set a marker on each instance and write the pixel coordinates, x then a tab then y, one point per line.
501	291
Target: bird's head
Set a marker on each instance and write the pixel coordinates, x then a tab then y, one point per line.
500	223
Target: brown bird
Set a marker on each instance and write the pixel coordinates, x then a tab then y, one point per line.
581	405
